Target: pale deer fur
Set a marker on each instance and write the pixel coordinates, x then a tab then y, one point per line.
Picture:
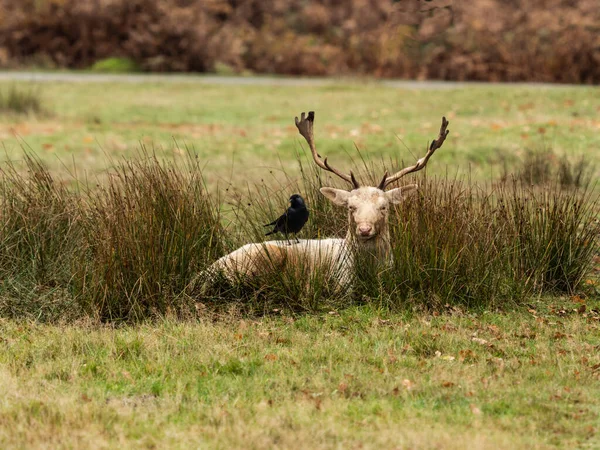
368	229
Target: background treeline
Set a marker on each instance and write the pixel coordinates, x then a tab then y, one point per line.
492	40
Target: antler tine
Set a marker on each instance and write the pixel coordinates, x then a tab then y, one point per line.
383	181
435	144
305	127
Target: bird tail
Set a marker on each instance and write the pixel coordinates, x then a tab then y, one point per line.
270	224
270	233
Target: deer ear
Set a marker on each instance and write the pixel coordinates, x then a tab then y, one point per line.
337	196
398	195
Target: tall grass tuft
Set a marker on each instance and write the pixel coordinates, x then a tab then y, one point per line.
17	100
40	236
149	229
449	248
541	167
554	234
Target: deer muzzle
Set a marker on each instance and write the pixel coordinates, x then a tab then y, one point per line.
365	231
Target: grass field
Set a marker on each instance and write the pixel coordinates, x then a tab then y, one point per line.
360	377
247	130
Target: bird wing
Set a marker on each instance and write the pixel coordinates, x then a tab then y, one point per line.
282	220
279	221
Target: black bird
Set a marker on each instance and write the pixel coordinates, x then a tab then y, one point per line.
293	220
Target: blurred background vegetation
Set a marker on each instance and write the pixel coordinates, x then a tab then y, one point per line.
488	40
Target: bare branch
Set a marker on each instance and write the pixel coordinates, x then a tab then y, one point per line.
305	127
435	144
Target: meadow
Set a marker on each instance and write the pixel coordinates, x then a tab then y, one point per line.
115	195
240	131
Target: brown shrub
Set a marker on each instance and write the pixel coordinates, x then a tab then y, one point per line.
510	40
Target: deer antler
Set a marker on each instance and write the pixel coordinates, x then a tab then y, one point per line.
435	144
305	127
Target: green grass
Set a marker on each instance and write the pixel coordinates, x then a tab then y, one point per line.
359	378
248	130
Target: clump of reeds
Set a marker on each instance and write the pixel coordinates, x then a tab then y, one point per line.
21	100
133	246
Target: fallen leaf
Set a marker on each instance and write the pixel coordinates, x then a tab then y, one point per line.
408	385
479	341
494	329
466	355
448	384
474	409
526	106
271	357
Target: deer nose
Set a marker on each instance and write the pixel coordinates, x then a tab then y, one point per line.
365	230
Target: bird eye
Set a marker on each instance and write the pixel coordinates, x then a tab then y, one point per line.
352	208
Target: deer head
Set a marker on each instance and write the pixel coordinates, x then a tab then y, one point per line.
367	205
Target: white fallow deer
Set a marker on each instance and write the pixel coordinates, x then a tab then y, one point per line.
368	228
